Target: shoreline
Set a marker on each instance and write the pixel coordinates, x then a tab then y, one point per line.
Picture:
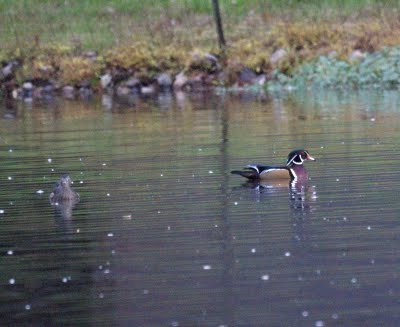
380	69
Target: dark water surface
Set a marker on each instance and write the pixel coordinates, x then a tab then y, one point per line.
165	236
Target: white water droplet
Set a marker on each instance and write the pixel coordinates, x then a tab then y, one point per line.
253	250
104	164
337	180
369	227
101	295
65	280
305	314
108	194
11	150
161	175
9	178
335	316
49	160
210	172
10	252
1	211
11	281
207	267
265	277
39	191
78	230
287	254
145	291
235	203
27	306
354	280
319	323
110	234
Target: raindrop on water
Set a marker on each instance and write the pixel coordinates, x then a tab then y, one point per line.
265	277
10	252
11	281
27	306
39	191
49	160
305	314
354	280
207	267
335	316
319	323
287	254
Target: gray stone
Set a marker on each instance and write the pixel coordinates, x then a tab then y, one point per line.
247	76
6	70
164	80
123	90
357	56
132	83
85	92
261	79
27	86
180	81
68	92
277	56
147	89
105	80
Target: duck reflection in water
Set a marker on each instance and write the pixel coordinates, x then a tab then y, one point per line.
64	199
301	193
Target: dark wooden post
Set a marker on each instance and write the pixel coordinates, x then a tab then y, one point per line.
218	22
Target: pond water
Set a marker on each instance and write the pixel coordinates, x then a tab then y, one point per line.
164	235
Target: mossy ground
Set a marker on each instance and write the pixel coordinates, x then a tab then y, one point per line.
50	38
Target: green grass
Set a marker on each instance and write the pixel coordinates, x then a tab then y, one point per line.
104	24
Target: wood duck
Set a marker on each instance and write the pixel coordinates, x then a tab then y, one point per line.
294	169
63	191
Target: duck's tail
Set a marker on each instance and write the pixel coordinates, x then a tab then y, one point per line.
250	174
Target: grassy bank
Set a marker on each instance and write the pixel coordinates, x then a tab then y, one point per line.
49	38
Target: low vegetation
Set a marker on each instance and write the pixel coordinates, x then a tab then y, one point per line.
73	41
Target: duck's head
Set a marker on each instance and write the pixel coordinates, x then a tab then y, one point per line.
65	180
297	157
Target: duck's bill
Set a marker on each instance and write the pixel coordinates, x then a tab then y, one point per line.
310	158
